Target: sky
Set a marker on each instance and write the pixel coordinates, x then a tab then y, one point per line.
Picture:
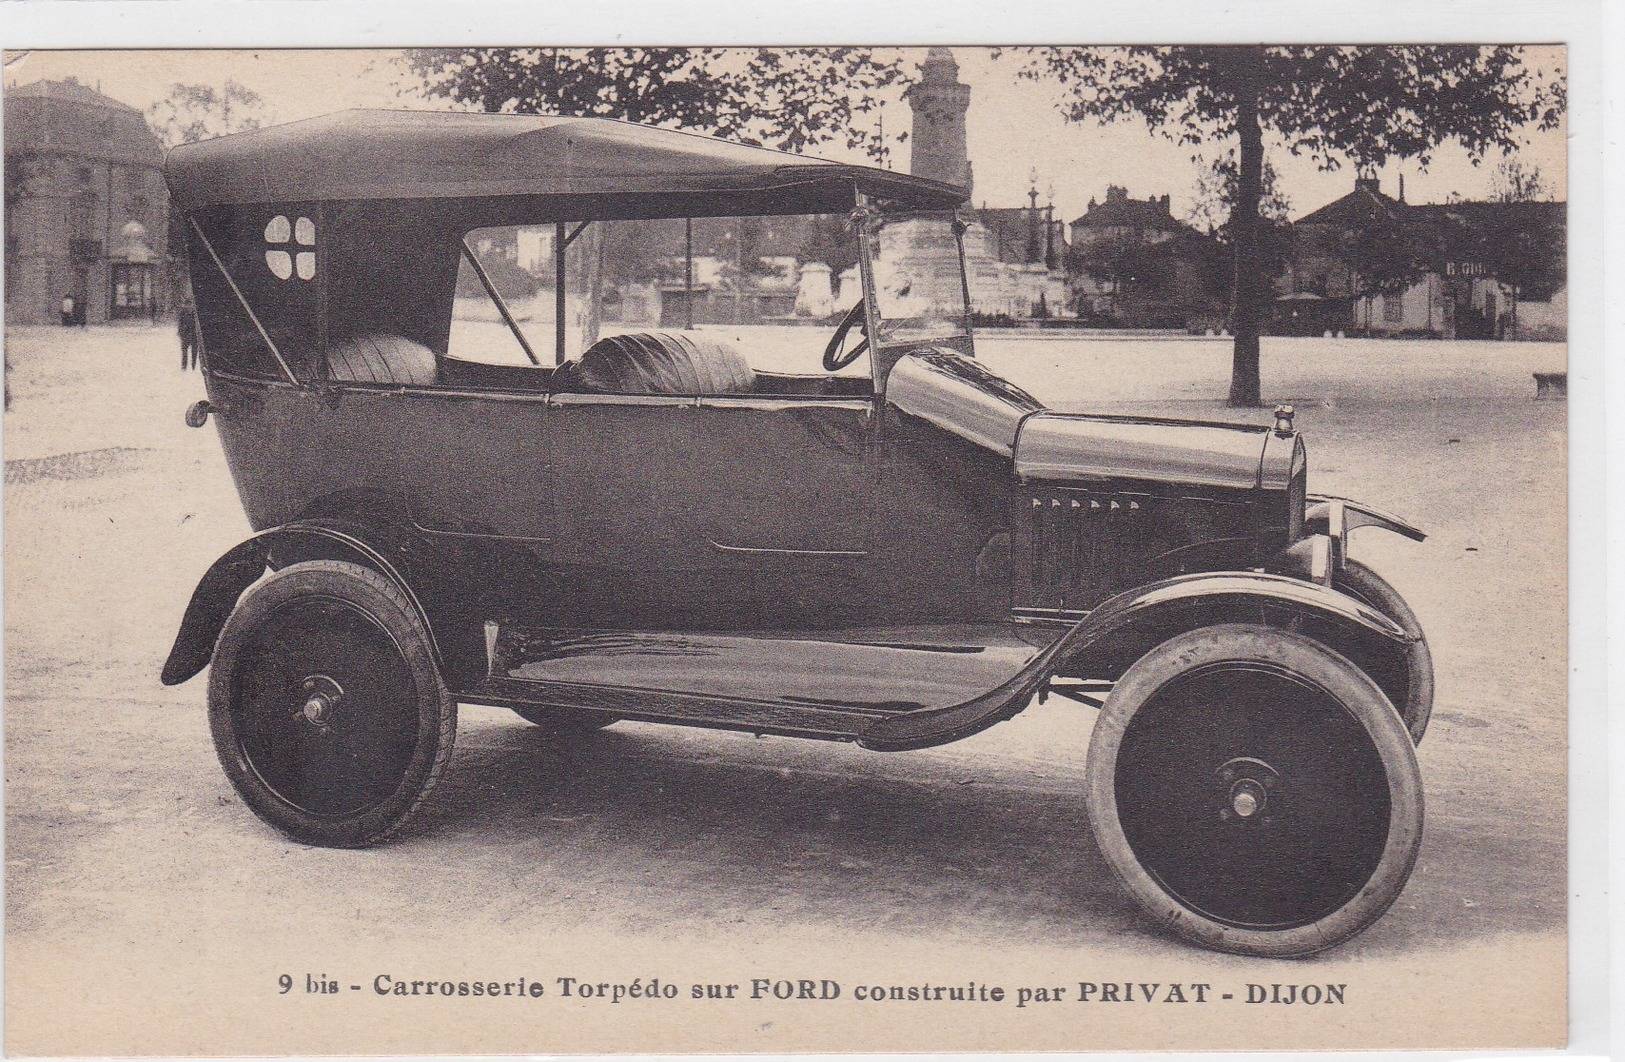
1016	136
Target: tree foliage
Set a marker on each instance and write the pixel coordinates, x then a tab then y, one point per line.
1126	263
1525	246
1388	253
1516	183
202	112
1363	104
785	98
829	239
1213	199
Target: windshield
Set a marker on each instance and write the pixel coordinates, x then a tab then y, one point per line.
919	281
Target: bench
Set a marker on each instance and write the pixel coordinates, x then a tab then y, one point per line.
1550	386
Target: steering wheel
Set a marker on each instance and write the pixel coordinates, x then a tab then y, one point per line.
834	358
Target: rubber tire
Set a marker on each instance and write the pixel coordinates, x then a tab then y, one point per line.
1361	582
564	720
1336	676
436	710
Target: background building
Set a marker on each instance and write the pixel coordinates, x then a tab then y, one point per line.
86	209
1375	265
1131	263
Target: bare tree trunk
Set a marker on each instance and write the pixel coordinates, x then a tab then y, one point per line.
1248	286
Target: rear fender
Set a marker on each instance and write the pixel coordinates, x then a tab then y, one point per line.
240	567
1111	637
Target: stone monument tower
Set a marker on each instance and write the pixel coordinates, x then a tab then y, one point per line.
939	103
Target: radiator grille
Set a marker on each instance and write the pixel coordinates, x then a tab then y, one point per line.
1074	548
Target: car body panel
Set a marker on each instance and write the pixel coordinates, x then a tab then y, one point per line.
238	568
750	524
1150	615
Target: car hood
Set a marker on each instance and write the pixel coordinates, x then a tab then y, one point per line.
1062	446
960	396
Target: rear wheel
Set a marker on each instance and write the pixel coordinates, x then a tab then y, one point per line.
327	710
1361	582
1254	791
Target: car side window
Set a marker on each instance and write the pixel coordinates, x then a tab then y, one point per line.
480	334
768	288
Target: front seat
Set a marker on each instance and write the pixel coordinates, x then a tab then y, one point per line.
657	363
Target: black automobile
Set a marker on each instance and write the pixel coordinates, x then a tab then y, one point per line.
601	422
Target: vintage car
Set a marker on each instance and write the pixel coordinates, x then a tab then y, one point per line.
665	516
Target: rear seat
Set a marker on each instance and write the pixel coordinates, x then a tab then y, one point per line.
657	363
382	359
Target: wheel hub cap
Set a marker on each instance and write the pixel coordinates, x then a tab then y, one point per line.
1247	798
322	696
1247	785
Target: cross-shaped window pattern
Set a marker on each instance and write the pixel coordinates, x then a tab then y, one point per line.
280	233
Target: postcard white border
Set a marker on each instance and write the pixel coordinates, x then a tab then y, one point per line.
1591	29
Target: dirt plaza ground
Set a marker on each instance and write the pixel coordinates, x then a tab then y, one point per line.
134	873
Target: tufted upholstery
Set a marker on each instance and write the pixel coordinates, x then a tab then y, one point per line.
381	358
657	363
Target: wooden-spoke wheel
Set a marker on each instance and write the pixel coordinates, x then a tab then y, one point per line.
564	720
1255	791
1359	581
328	713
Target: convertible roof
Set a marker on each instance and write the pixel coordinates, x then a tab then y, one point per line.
375	154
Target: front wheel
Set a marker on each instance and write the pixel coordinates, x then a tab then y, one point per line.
1255	791
327	710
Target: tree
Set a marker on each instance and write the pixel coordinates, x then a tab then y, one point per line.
1213	206
202	112
1127	264
1213	199
1524	245
1517	183
785	98
1363	104
829	239
1388	252
1525	240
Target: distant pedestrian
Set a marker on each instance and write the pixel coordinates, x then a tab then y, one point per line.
186	325
69	317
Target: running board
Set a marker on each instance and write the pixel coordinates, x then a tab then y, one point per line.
670	706
831	685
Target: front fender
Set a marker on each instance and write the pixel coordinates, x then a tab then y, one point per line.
1148	614
1327	515
241	566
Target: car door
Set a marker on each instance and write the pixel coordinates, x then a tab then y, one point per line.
787	475
479	465
624	476
786	503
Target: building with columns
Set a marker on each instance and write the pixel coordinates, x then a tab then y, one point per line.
86	208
